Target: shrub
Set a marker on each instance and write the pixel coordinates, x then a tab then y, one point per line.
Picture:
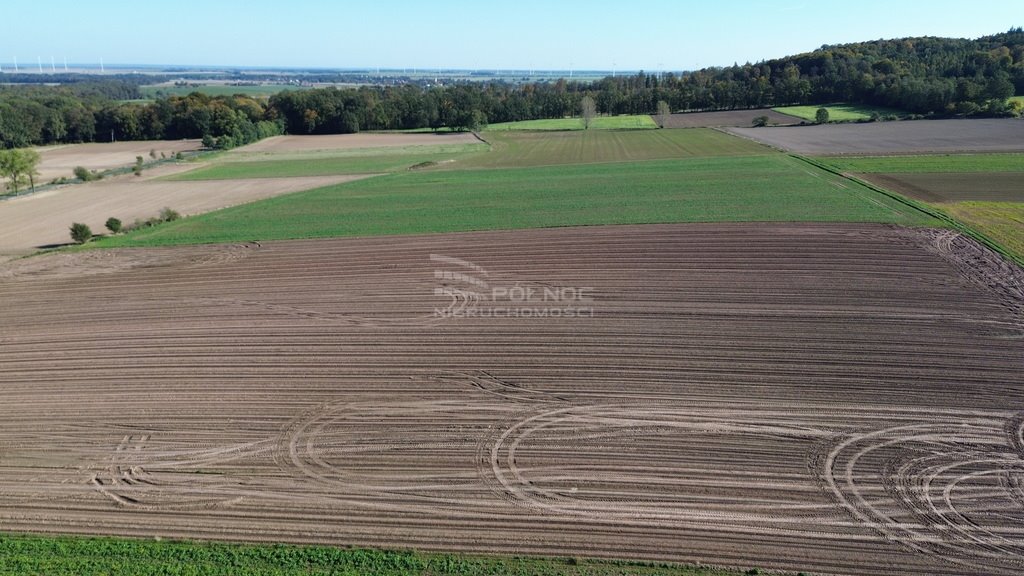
138	166
168	215
114	225
760	122
80	233
152	153
84	175
821	116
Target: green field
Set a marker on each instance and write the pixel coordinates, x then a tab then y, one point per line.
743	189
929	163
231	166
599	123
521	149
838	112
158	91
505	150
1000	221
73	556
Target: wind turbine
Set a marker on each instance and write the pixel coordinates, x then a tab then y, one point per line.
65	63
53	64
101	66
15	63
40	59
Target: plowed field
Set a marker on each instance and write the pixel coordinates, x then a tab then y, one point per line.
841	399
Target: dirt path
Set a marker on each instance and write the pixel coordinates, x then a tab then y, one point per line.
835	399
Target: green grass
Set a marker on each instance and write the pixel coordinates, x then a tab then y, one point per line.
521	149
599	123
506	150
744	189
232	165
1000	221
78	556
838	112
929	163
153	92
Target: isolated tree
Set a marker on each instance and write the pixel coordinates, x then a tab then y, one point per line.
138	166
760	122
80	233
114	225
664	111
821	116
19	166
588	111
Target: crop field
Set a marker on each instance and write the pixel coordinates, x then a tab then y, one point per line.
634	122
823	398
28	223
1002	221
935	163
331	162
839	112
60	161
739	118
882	138
747	189
954	187
525	149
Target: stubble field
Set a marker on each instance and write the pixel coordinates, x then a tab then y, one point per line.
826	398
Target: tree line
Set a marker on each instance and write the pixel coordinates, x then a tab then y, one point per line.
925	76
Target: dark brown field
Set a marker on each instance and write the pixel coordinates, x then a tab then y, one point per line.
837	399
740	118
877	138
954	187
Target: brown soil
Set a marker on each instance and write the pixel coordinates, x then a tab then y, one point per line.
837	399
351	141
954	187
60	161
894	137
43	219
739	118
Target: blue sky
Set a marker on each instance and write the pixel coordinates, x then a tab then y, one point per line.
523	34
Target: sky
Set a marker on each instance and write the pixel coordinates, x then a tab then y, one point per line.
651	35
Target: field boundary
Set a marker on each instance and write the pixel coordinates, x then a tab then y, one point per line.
953	223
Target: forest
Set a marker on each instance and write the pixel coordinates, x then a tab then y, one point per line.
927	76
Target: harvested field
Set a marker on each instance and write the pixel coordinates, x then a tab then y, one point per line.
739	118
920	136
837	399
28	223
60	161
352	141
954	187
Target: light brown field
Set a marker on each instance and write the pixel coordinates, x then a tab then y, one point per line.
30	222
837	399
60	161
353	141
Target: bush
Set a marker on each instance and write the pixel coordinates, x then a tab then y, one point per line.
84	175
821	116
168	215
114	225
138	166
760	122
80	233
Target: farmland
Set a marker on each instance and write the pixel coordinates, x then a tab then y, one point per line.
739	118
880	138
935	163
839	112
60	161
599	123
716	189
748	394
